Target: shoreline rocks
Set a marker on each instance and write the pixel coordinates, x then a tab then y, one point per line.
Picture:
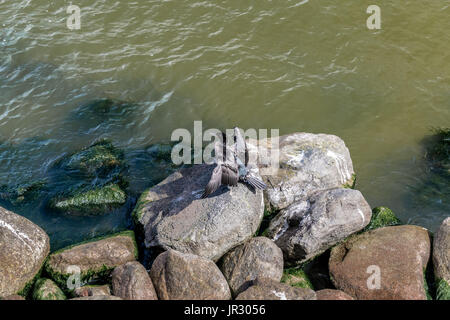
259	257
307	228
308	163
441	260
23	249
132	282
46	289
385	263
173	216
267	289
184	276
94	259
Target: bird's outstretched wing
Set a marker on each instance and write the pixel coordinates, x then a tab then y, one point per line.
230	175
215	181
240	146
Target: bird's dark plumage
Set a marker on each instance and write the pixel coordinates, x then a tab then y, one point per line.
231	165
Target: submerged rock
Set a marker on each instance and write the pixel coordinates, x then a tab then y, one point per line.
23	249
309	227
101	159
259	257
92	290
46	289
386	263
308	163
93	259
184	276
132	282
22	193
174	217
91	202
382	217
441	260
267	289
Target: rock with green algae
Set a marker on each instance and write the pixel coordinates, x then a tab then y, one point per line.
438	151
46	289
296	277
441	260
100	159
22	193
382	217
91	202
94	259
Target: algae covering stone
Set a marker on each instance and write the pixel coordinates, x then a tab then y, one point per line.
46	289
23	249
267	289
91	202
382	217
101	159
22	193
441	260
307	163
94	259
296	277
174	216
386	263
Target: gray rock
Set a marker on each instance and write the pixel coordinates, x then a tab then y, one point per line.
23	249
308	162
93	259
330	294
13	297
174	217
441	260
267	289
92	290
257	258
132	282
98	298
441	251
308	228
184	276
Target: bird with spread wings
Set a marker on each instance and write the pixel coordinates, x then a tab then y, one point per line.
231	165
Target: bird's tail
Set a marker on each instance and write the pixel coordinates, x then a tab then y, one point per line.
255	183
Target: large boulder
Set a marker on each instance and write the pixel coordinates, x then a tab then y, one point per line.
307	163
174	217
93	259
309	227
259	257
184	276
267	289
46	289
23	249
441	260
386	263
132	282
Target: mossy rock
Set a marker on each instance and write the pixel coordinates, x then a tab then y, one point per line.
442	290
382	217
100	159
46	289
296	278
438	151
92	202
95	257
22	193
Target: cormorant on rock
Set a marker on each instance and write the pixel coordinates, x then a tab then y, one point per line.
231	165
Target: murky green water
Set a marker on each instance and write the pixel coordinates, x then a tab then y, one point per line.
294	65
